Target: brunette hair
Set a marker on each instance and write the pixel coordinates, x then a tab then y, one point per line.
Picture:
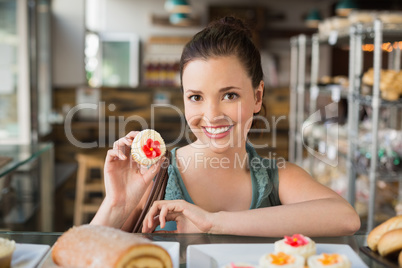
225	37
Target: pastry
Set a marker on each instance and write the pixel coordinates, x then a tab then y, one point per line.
7	248
101	246
390	242
148	147
326	260
375	234
281	259
296	245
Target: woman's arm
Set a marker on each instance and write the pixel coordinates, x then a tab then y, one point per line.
307	207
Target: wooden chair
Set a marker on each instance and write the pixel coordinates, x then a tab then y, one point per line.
90	189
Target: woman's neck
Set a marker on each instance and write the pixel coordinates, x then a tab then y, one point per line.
235	157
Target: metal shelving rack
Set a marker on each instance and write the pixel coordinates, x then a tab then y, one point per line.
359	34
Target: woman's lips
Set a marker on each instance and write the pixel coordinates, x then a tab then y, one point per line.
217	132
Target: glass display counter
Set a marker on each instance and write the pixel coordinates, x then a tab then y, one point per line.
15	157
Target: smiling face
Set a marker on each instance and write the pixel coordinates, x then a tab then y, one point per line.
219	102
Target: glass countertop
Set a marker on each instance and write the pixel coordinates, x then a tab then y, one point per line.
49	238
18	155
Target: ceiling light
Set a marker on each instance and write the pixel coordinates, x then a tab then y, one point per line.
313	18
344	7
178	6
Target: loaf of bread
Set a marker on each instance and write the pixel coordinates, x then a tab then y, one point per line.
100	246
390	242
389	225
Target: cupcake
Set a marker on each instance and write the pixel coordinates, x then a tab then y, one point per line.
148	147
326	260
296	245
7	248
281	259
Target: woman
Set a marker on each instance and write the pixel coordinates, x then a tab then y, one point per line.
209	188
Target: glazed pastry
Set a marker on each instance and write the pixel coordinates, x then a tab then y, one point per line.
326	260
375	234
281	259
7	248
390	242
148	147
101	246
296	245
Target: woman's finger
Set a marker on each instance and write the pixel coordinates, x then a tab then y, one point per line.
150	173
114	154
162	216
131	135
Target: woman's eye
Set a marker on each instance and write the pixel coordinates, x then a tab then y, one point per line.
230	96
195	98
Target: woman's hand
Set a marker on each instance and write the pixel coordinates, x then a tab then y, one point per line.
126	181
188	217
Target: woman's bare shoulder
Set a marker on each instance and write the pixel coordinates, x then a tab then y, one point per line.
296	184
290	170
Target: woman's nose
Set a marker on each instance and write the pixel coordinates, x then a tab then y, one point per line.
213	112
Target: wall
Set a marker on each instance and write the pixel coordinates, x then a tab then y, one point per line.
68	31
134	16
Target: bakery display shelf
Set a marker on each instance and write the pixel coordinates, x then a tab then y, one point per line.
353	37
391	32
335	37
325	144
381	174
367	100
333	90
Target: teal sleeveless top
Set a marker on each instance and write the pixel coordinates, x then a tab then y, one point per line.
264	179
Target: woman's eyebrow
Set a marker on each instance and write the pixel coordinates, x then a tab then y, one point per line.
193	91
224	89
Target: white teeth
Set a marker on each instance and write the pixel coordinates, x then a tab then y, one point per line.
217	130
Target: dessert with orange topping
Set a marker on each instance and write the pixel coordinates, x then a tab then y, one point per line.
329	260
281	259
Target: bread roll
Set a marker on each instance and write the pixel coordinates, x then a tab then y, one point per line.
400	259
100	246
390	242
375	235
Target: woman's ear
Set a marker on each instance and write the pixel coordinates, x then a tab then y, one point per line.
258	95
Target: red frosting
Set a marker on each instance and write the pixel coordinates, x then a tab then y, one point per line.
151	149
296	240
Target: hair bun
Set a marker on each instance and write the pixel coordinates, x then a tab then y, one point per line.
235	23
